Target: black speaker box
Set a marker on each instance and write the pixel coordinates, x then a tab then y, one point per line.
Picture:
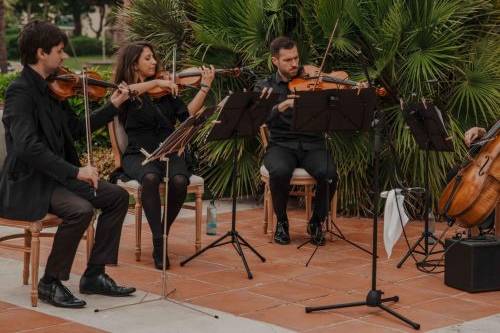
472	265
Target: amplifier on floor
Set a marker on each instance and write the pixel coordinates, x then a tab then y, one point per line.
472	265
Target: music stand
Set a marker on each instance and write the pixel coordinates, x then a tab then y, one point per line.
367	100
427	126
174	143
242	115
329	111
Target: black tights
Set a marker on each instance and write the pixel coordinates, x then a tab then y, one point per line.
177	189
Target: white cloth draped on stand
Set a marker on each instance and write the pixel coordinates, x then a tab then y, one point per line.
395	218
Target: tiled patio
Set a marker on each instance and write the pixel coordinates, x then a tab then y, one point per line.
282	286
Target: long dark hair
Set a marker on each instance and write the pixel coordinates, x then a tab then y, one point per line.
126	57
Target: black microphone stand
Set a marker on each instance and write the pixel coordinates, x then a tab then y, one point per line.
374	296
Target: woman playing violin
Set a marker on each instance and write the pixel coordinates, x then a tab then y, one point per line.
148	125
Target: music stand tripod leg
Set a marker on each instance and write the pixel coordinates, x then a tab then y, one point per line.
410	251
341	236
245	243
235	237
374	296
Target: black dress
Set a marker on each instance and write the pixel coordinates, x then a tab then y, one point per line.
148	126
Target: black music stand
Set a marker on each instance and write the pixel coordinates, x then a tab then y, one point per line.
427	126
330	111
242	115
362	115
174	143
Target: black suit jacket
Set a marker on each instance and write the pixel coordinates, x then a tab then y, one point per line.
35	162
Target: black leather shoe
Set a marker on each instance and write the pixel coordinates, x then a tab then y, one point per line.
158	254
317	236
58	295
104	285
281	235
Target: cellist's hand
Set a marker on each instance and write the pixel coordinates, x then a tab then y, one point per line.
88	174
473	134
120	95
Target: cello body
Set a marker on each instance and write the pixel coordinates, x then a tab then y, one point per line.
474	192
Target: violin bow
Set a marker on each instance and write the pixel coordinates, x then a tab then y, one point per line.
174	56
326	52
88	129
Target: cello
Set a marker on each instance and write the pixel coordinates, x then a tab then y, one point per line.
474	192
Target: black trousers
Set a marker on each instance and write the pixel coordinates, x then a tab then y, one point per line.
281	161
75	204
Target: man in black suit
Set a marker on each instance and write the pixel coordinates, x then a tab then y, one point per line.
42	172
289	149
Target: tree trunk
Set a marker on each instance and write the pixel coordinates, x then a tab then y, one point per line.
28	12
46	10
77	18
3	47
100	25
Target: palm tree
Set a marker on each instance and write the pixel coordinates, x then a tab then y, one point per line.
445	50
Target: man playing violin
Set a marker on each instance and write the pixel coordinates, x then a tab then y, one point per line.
290	149
42	172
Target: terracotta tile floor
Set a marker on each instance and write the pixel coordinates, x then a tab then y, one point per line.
282	286
15	319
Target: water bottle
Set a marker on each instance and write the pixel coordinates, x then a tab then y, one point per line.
211	219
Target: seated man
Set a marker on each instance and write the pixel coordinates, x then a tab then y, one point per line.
42	172
290	149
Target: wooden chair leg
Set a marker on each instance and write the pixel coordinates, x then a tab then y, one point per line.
35	261
198	217
270	216
266	204
138	228
497	221
27	254
333	214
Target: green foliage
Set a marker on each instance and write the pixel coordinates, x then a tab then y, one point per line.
5	80
12	46
405	44
83	46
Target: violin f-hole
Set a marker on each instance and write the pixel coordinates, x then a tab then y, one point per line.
481	170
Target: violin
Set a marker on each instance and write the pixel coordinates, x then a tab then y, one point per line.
475	191
65	84
311	79
190	77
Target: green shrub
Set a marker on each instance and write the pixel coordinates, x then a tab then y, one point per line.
5	80
12	46
88	46
82	45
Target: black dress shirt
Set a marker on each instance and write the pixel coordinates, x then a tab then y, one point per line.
280	123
